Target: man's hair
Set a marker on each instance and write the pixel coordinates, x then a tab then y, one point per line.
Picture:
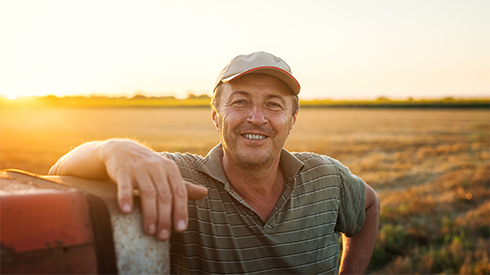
215	100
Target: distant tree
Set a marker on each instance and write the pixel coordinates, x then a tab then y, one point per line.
190	96
51	97
138	96
163	97
383	98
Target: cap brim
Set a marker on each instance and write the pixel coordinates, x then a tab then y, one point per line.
286	77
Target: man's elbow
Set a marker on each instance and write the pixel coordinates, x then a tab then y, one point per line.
372	199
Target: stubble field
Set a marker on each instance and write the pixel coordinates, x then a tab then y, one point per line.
430	167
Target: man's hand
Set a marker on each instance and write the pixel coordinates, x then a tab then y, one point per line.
164	194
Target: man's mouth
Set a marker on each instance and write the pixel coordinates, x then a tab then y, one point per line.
254	137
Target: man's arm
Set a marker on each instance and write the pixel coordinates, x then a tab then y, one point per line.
357	250
164	193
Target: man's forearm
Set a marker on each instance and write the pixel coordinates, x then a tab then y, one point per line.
357	250
83	161
163	192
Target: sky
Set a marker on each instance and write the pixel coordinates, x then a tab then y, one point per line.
337	49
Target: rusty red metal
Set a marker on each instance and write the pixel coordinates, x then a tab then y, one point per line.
56	225
68	260
46	231
42	220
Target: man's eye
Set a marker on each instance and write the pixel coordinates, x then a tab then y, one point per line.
274	105
240	102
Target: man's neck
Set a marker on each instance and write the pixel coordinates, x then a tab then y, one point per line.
260	186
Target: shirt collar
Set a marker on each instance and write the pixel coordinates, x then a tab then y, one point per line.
211	164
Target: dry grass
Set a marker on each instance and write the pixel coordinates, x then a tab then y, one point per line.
430	167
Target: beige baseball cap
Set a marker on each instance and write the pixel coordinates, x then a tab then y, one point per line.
259	62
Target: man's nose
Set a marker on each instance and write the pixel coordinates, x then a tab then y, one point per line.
256	116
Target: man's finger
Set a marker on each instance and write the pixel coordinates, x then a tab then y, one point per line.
163	204
125	194
148	194
195	192
179	203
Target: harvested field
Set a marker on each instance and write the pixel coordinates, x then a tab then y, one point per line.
429	166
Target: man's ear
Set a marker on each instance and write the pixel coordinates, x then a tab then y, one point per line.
293	120
214	117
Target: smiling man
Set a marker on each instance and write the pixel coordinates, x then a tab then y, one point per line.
249	206
254	120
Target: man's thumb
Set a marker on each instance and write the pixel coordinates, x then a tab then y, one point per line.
195	192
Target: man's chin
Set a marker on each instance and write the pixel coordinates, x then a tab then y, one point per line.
251	156
254	158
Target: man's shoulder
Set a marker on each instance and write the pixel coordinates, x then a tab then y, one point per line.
318	163
309	158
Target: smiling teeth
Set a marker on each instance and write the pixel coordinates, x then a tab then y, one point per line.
249	136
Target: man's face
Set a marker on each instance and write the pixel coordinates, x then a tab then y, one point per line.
254	119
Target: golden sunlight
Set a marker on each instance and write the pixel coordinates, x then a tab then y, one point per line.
11	96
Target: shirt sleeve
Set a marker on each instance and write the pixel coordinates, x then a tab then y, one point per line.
351	214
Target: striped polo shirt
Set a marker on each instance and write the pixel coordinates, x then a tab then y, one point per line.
321	198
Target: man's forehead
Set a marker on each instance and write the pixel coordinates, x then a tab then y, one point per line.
240	93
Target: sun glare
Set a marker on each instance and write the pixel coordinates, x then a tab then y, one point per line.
11	96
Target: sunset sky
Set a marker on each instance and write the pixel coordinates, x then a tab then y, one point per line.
337	49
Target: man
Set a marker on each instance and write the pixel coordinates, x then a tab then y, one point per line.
265	210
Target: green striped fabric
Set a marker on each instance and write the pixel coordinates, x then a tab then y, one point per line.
321	198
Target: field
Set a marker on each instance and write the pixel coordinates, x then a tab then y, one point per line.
430	167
